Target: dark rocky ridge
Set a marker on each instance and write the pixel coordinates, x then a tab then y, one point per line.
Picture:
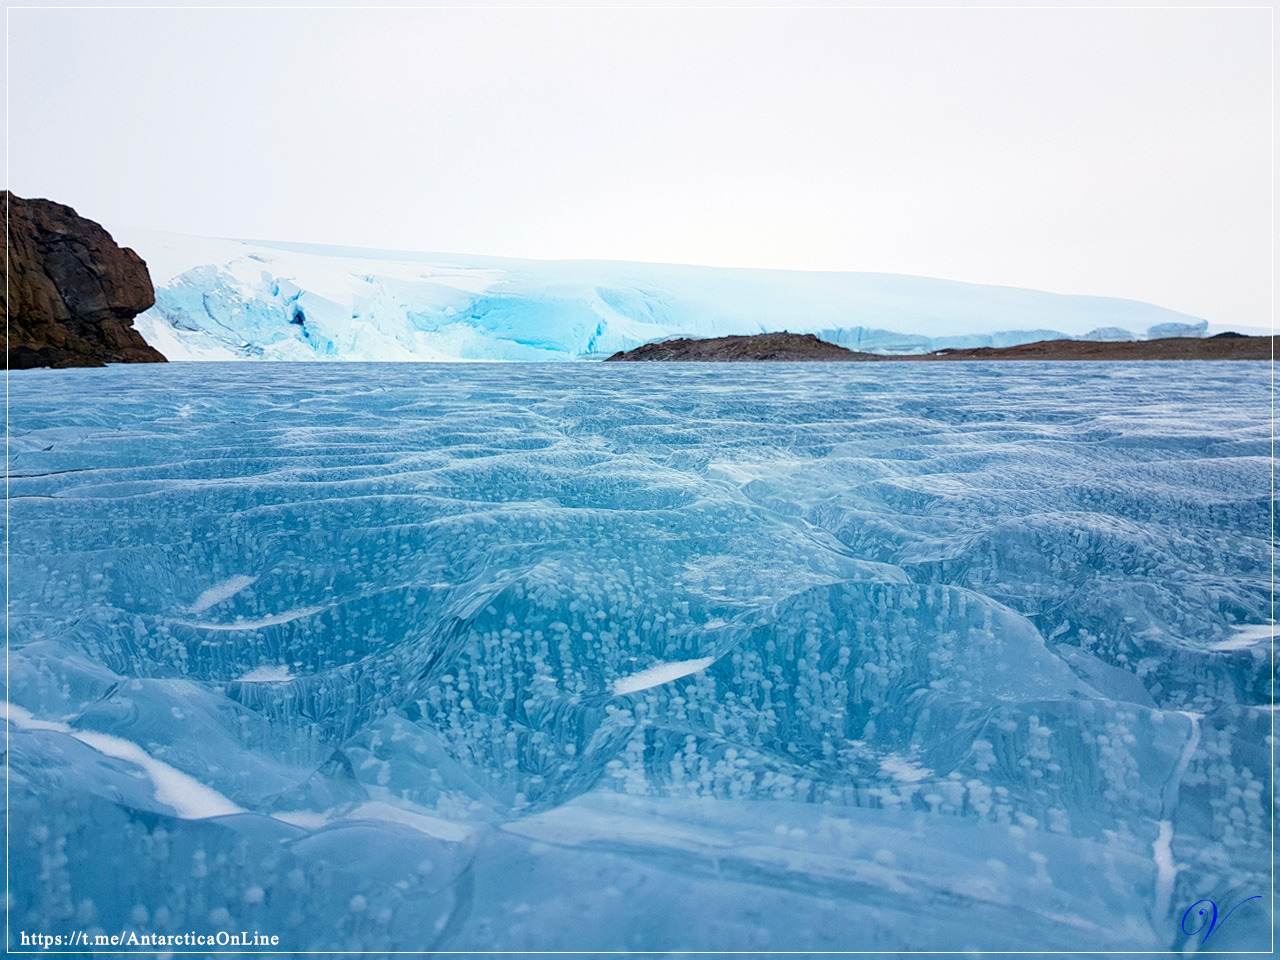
1170	348
72	293
760	346
790	346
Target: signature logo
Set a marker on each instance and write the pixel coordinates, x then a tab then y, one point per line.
1208	926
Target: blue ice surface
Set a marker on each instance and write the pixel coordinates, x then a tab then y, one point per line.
891	657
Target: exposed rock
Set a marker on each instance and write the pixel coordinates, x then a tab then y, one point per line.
1169	348
761	346
72	292
790	346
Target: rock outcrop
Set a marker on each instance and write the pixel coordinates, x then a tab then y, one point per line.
72	292
790	346
760	346
1168	348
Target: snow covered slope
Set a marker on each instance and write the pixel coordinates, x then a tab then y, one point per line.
231	299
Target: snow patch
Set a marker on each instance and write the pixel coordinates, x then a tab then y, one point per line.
258	624
306	819
189	798
1166	870
659	674
221	591
278	674
1247	636
903	771
23	720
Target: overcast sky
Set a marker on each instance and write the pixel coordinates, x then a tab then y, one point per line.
1120	152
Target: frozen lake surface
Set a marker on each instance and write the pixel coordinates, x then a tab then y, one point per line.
643	657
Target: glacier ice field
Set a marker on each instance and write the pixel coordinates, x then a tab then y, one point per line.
257	300
581	657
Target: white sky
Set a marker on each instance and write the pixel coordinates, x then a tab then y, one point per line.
1120	152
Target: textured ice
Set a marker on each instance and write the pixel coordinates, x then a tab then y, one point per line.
627	657
228	299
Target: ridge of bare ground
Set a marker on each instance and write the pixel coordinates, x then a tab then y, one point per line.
807	347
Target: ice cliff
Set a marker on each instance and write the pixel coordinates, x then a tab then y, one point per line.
231	299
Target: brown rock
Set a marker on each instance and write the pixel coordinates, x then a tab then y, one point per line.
790	346
760	346
1220	347
72	293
